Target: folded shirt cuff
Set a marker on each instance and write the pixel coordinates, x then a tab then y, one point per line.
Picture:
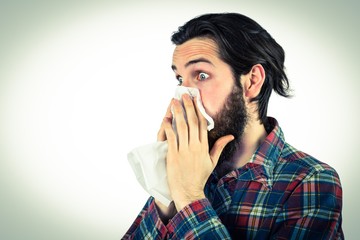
191	217
155	220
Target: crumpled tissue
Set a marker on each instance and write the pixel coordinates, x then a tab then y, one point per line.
148	162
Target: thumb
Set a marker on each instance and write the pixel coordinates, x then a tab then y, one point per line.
219	147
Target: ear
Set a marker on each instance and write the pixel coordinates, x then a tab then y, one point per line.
254	81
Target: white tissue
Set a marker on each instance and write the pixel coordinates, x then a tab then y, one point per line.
149	161
194	92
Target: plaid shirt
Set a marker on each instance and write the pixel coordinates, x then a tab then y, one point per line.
281	193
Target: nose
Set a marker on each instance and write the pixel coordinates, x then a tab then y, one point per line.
186	82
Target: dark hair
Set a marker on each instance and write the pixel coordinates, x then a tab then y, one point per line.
242	44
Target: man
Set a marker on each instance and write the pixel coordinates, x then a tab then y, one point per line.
241	180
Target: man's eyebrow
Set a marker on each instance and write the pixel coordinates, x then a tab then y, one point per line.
194	62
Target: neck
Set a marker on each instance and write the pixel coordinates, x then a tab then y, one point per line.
254	134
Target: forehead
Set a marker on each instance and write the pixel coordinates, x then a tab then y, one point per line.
194	48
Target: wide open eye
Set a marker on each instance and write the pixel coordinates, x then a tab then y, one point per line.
180	80
202	76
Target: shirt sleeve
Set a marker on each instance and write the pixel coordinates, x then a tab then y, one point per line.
197	220
147	224
313	210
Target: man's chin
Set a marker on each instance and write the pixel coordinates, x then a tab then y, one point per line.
225	163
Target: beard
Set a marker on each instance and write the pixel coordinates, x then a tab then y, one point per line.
231	120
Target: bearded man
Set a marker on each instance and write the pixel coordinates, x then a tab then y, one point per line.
241	180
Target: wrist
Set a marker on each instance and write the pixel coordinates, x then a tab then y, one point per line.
182	203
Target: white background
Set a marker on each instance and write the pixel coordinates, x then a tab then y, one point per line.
82	83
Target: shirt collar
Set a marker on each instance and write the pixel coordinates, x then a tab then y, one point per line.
270	149
263	161
268	153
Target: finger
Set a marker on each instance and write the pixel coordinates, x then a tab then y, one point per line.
168	115
181	125
170	135
203	132
192	118
161	136
219	147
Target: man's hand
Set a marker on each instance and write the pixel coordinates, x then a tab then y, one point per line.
189	163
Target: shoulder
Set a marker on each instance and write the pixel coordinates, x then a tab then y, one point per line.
311	196
304	167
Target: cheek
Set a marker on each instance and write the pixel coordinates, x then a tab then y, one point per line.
214	93
213	102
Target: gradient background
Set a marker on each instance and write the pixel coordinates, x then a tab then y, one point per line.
84	82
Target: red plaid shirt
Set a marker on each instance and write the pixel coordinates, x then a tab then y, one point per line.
281	193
